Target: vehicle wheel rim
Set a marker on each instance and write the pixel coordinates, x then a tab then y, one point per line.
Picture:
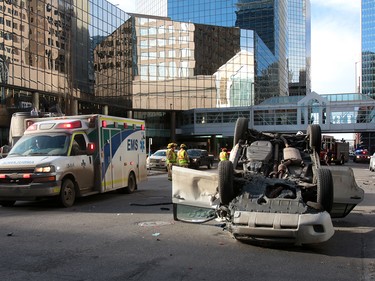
68	195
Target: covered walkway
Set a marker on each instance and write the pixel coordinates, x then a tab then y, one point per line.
335	113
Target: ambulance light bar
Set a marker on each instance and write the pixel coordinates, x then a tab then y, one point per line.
69	125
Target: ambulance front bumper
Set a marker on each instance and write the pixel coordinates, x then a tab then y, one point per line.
29	191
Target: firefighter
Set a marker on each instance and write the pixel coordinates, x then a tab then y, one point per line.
328	157
171	158
223	154
183	158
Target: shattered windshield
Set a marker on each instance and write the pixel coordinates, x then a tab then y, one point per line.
41	145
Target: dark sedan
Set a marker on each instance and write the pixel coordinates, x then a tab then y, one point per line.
199	157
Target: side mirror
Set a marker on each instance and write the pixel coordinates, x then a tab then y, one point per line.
90	148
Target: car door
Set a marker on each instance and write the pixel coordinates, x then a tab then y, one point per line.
194	194
83	163
346	193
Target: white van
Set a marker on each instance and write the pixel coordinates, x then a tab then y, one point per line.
74	156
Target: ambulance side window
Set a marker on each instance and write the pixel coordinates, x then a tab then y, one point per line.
79	145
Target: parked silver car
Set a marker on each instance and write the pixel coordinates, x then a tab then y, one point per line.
158	160
272	188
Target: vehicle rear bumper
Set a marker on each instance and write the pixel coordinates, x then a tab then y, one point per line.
30	191
157	166
290	228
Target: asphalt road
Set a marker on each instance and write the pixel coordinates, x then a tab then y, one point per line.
133	237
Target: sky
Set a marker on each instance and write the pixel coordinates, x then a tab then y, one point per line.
335	45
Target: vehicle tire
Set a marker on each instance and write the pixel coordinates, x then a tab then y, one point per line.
7	203
67	193
314	134
209	165
240	130
226	193
325	189
132	184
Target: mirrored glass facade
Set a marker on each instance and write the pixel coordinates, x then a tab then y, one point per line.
84	54
283	27
47	53
368	47
170	65
260	16
48	46
299	47
368	65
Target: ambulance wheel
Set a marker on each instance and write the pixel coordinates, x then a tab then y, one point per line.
314	134
67	193
132	185
226	192
7	203
240	130
325	189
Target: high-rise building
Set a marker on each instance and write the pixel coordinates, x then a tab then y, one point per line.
92	57
368	64
368	47
299	47
284	26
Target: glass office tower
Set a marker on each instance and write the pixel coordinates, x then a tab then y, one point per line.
299	47
283	26
266	18
368	62
90	55
175	65
368	47
48	49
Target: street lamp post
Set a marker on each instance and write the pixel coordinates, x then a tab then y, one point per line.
357	88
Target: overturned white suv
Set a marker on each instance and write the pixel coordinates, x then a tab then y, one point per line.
271	189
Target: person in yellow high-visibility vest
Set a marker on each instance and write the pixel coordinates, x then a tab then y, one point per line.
223	154
171	158
182	156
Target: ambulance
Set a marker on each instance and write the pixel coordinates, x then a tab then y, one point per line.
74	156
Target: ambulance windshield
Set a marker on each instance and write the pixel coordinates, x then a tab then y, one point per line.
41	145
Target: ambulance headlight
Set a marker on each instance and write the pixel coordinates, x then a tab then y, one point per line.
45	169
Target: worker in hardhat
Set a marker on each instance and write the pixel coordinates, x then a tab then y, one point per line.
223	154
182	156
171	158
